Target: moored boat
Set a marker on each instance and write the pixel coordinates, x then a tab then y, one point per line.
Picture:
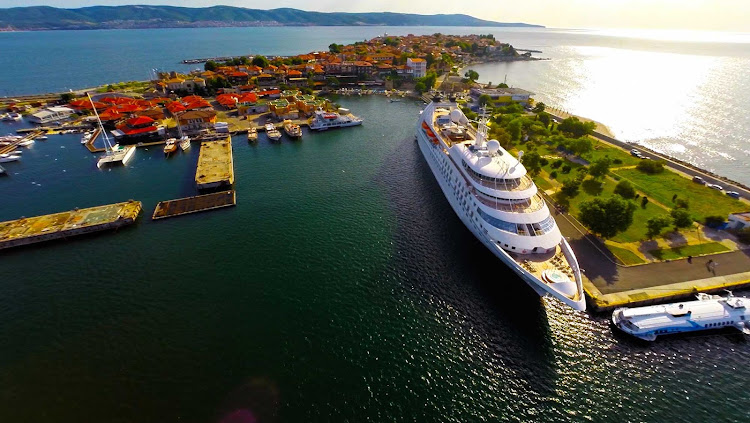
707	313
272	133
170	146
5	158
252	134
323	120
184	142
292	130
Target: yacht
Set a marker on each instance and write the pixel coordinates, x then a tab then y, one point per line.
113	154
252	134
707	313
26	143
498	202
87	137
4	158
323	120
10	117
292	130
272	132
170	146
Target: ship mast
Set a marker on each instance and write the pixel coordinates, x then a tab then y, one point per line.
107	145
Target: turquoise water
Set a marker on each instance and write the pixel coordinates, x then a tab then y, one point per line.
341	288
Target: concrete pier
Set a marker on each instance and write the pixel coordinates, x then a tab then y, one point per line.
32	230
198	203
215	164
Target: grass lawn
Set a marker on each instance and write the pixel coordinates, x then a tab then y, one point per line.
688	250
601	150
636	231
703	201
627	257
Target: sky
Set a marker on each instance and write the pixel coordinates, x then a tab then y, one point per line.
713	15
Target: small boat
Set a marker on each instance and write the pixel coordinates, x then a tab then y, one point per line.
184	142
18	152
10	117
272	133
292	130
252	134
707	313
170	147
26	143
86	137
5	158
42	138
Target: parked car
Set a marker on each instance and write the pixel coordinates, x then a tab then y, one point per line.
716	187
635	153
699	180
733	194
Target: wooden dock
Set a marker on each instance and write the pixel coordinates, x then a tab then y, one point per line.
215	164
198	203
11	147
32	230
90	143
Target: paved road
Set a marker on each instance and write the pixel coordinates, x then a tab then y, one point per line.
671	163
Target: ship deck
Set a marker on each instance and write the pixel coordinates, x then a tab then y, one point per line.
538	264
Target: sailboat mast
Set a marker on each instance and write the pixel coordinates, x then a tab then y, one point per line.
101	127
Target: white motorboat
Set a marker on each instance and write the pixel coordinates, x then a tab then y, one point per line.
708	312
498	202
272	133
323	120
5	158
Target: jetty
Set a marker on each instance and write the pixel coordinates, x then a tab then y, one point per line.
215	164
12	146
195	204
90	143
32	230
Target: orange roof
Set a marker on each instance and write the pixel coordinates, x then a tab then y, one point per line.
416	59
294	73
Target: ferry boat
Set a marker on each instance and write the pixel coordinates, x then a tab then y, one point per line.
323	120
272	132
708	312
292	130
497	201
252	134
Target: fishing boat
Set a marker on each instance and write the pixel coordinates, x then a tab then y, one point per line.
252	134
113	154
707	313
272	133
170	146
292	130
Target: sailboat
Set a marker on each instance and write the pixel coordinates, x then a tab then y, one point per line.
114	154
184	139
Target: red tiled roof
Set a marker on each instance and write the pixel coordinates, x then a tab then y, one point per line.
139	121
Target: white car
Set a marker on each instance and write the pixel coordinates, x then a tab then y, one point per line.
716	187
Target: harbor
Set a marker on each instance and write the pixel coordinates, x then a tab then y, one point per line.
33	230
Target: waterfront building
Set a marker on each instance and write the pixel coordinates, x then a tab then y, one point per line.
503	95
196	120
418	67
137	129
51	114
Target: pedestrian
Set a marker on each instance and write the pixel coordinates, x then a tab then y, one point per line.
709	265
690	259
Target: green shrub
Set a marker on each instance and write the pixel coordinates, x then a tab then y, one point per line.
651	167
625	189
714	220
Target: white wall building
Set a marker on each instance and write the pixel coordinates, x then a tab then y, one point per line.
51	114
419	66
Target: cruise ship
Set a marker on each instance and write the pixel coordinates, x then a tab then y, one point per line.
707	313
498	202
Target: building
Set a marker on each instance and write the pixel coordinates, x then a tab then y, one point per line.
739	221
137	129
51	114
418	67
504	95
195	120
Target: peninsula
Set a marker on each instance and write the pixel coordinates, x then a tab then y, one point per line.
41	18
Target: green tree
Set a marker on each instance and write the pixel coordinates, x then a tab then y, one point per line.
532	163
681	218
334	48
471	75
501	135
67	97
502	85
575	127
570	187
607	217
651	167
484	100
682	203
210	65
260	61
514	129
539	107
625	189
581	146
600	167
656	224
419	87
544	118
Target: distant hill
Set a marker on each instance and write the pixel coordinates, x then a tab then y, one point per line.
121	17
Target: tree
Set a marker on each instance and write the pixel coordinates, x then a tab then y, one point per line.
419	87
682	203
656	224
544	118
260	61
625	189
501	135
681	218
514	129
580	146
67	97
607	217
334	48
570	187
484	99
575	127
600	167
210	66
471	75
539	107
532	163
502	85
651	167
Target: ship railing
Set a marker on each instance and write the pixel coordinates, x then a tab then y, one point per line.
524	182
530	205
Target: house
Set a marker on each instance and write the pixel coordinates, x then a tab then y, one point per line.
195	120
283	109
137	129
739	221
418	67
51	114
503	95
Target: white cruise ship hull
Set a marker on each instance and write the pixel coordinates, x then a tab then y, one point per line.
542	289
